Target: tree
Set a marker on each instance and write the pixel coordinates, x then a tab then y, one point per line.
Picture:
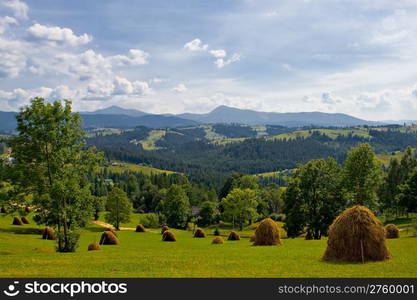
240	206
51	163
176	207
209	212
388	193
362	176
98	205
119	207
407	198
272	195
294	209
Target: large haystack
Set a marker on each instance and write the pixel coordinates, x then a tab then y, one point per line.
25	220
233	236
356	235
217	240
17	221
168	236
392	231
267	233
112	231
164	228
48	234
93	247
140	228
199	233
108	238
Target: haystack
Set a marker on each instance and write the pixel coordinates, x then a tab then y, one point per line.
356	235
168	236
28	209
94	246
164	228
392	231
140	228
199	233
252	238
108	238
17	221
216	232
25	220
233	236
112	231
267	233
217	240
48	234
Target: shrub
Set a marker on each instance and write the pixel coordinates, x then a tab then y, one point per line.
199	233
216	232
72	241
356	235
392	231
25	220
94	246
108	238
217	240
48	234
149	220
168	236
233	236
164	228
3	210
140	228
308	236
277	217
17	221
267	233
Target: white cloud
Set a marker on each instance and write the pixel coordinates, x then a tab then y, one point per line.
220	53
220	62
5	22
180	88
135	57
195	45
58	35
12	58
20	9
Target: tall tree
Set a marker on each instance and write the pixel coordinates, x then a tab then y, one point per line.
240	206
176	207
51	163
119	207
294	209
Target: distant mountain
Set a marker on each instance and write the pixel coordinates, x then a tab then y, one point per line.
225	114
7	121
116	110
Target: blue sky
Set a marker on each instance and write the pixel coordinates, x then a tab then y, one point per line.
356	57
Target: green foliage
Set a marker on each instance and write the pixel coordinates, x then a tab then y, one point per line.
175	206
240	206
119	207
209	213
150	220
71	239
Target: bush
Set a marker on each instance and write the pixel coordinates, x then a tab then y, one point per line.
164	228
308	236
216	232
94	246
149	220
168	236
17	221
108	238
217	240
199	233
356	235
392	231
3	210
48	234
267	233
277	217
25	220
233	236
140	228
72	245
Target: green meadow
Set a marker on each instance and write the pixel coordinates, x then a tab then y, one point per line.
24	254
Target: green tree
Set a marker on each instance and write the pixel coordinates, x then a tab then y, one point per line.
388	193
98	205
294	209
407	198
240	206
119	207
176	207
209	212
51	163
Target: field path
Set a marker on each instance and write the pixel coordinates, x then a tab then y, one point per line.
106	225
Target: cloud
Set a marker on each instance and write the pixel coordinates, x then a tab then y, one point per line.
220	53
5	22
220	62
180	88
123	86
12	58
59	35
135	57
20	9
195	45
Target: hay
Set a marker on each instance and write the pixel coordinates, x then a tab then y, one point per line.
199	233
168	236
94	246
217	240
233	236
164	228
3	210
112	231
216	232
108	238
25	220
392	231
17	221
252	238
356	235
267	233
140	228
48	234
28	209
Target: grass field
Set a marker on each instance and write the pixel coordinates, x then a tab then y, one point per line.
24	254
137	168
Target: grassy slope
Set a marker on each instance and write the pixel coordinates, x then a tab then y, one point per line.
154	136
144	255
137	168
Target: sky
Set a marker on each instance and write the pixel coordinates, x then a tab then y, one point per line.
357	57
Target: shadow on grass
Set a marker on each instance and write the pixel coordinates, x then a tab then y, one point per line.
21	230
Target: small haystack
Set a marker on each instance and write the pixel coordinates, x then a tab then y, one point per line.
356	235
267	233
108	238
233	236
164	228
168	236
94	246
392	231
217	240
48	234
28	209
25	220
216	232
199	233
140	228
17	221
